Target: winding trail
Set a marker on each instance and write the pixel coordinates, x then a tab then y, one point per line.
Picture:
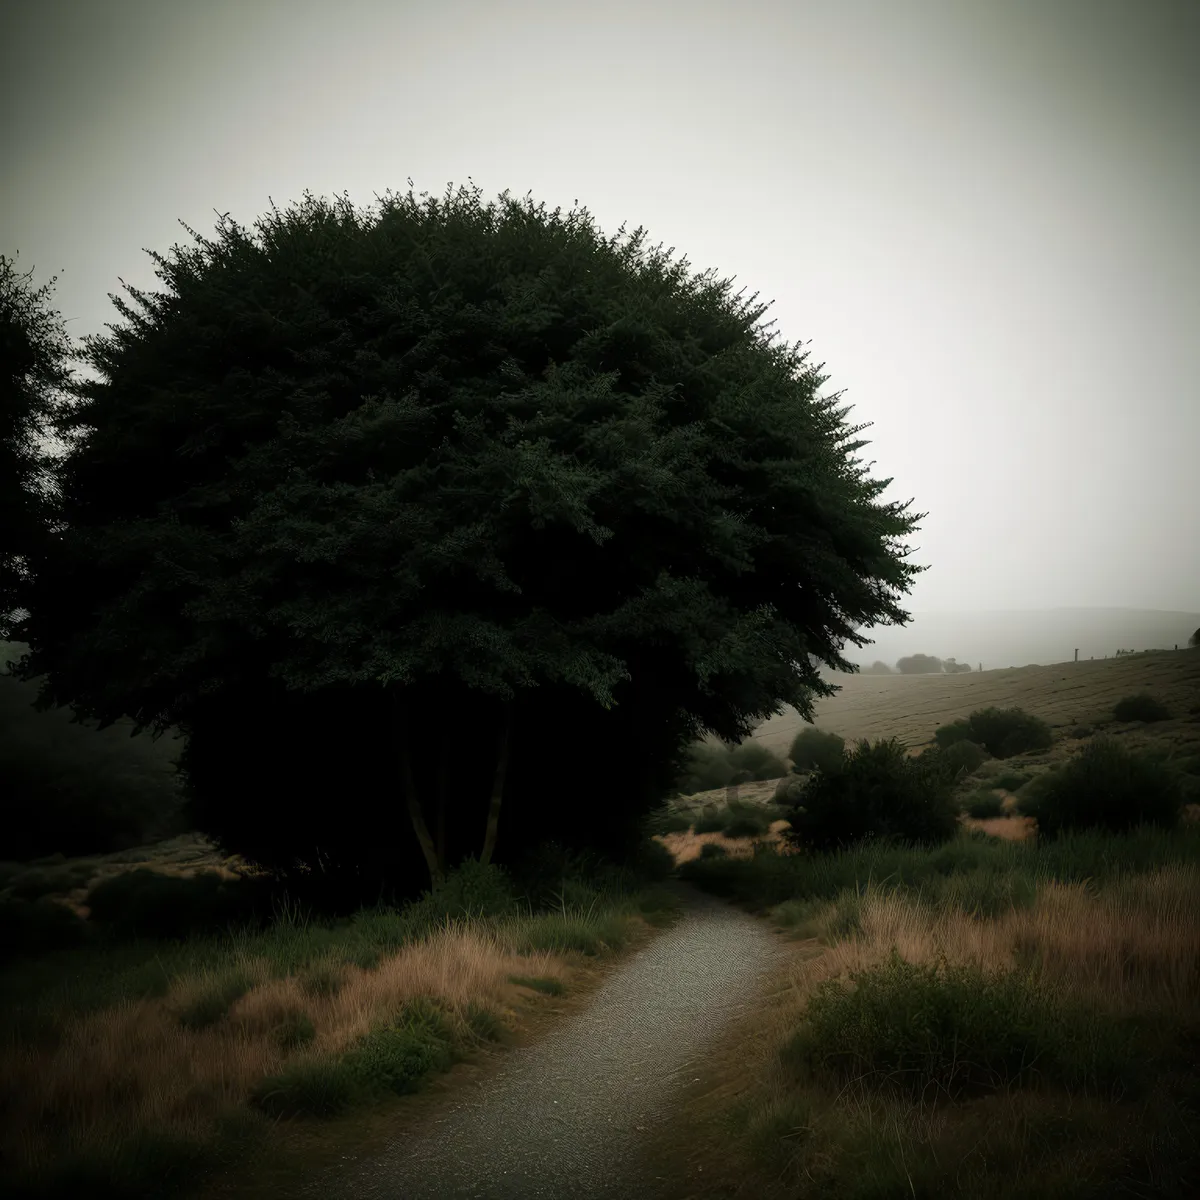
565	1117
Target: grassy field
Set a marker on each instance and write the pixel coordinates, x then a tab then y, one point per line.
1036	999
1000	1016
911	707
238	1062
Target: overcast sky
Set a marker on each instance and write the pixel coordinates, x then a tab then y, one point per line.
984	215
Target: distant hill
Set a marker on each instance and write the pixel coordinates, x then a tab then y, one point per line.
911	707
1015	638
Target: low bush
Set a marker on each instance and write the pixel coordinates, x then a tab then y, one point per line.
397	1058
653	862
758	761
815	749
713	850
1009	781
1142	707
935	1032
982	804
963	757
313	1088
748	825
1002	732
708	768
472	889
1107	787
879	793
711	819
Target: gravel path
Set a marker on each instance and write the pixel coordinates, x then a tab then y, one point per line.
561	1117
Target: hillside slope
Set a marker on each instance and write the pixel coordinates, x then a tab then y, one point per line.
911	707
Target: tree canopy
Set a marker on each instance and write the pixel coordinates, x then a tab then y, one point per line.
33	350
373	487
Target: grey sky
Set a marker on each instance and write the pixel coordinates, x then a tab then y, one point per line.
985	216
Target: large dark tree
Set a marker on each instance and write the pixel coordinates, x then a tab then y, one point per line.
33	353
447	520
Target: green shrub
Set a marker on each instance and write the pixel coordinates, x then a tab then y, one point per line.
1009	781
879	793
1142	707
713	850
398	1058
760	762
653	862
748	825
1082	731
472	889
982	804
955	732
934	1032
708	768
962	757
483	1023
1002	732
307	1089
711	819
586	932
815	749
1105	786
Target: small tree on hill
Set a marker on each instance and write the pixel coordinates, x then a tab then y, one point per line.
373	478
1194	640
919	664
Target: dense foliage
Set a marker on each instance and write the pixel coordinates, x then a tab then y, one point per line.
1105	786
815	749
1141	707
367	487
33	350
879	793
1002	732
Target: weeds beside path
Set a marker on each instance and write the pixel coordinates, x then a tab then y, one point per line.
567	1115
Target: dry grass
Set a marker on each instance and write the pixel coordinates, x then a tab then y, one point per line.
686	846
134	1067
1130	948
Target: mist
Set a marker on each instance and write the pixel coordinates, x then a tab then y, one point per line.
982	218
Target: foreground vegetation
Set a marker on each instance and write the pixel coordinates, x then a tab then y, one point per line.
986	1019
140	1065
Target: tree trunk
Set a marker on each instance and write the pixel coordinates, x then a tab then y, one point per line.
433	860
489	841
443	774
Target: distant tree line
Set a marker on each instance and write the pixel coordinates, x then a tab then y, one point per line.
918	664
